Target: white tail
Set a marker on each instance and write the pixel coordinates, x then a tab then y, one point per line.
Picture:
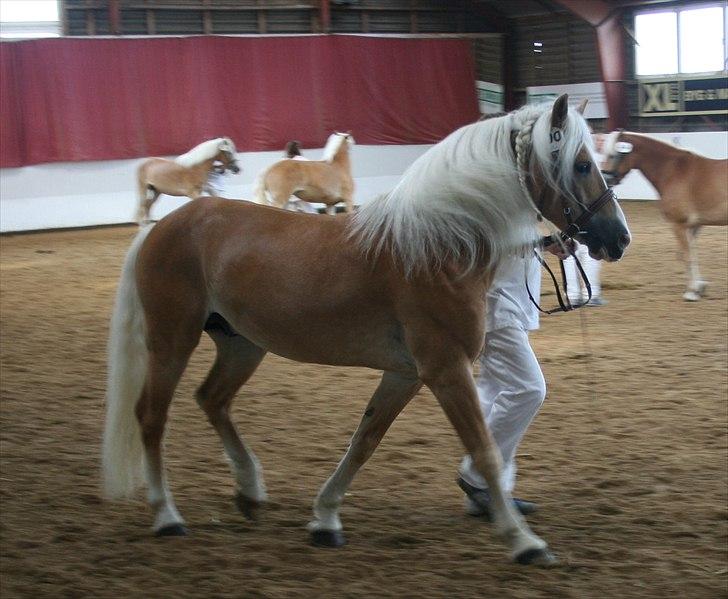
259	194
127	367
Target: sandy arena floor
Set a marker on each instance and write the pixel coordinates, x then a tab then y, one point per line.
631	481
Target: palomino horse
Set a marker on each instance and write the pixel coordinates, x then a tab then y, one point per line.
327	181
292	151
399	287
187	175
692	189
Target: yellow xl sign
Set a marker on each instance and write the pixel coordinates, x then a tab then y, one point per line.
659	97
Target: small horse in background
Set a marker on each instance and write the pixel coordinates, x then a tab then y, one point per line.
412	270
190	174
692	189
326	181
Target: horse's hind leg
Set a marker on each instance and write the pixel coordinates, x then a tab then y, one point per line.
163	375
393	394
145	204
237	359
278	193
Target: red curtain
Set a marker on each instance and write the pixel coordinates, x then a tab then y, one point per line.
101	99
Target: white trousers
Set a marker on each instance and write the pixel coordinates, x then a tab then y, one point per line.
511	389
576	290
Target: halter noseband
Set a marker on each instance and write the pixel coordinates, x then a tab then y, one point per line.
574	226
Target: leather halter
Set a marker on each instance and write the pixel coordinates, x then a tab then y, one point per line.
574	227
572	230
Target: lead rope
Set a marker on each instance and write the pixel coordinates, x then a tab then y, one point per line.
565	305
598	426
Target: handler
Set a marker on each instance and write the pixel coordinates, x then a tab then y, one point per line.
511	386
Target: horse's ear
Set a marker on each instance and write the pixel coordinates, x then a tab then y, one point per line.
582	106
561	109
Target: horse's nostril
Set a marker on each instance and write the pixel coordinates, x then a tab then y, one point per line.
624	240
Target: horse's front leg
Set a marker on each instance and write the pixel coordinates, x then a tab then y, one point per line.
686	237
452	383
392	395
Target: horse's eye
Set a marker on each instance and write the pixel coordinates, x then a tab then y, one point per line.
583	167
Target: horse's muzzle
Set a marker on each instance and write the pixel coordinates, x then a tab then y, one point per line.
607	242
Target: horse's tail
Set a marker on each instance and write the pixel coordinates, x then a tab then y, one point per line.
259	193
127	368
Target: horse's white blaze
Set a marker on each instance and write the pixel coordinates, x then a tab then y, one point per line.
127	367
610	142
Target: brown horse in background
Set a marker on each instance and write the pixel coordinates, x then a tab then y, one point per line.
400	286
187	175
326	181
693	189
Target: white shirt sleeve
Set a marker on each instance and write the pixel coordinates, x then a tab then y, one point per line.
507	302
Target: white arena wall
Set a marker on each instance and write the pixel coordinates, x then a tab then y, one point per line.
79	194
82	194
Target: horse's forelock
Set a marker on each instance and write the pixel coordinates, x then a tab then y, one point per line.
575	135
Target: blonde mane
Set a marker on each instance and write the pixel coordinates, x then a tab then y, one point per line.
205	151
332	146
463	200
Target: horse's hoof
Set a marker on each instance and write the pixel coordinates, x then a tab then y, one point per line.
248	507
172	530
537	557
328	538
691	296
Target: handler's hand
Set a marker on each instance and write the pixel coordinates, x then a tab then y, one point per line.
561	251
